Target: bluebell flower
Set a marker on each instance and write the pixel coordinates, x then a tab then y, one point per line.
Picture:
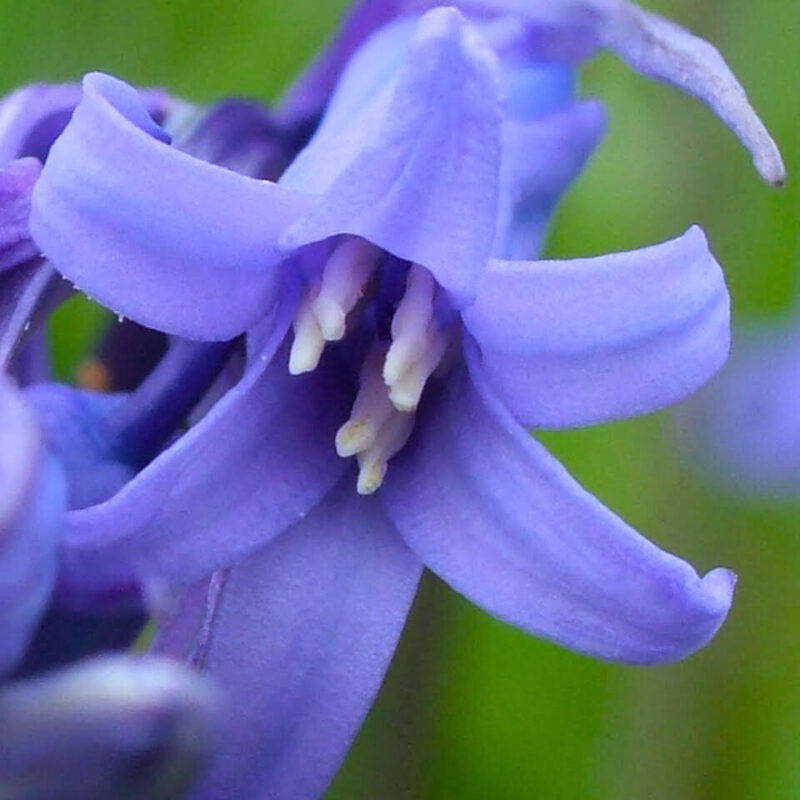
741	433
416	354
32	504
568	31
121	727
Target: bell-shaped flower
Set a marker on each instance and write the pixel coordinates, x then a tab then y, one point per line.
414	356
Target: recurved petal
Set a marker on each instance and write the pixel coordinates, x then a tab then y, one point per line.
32	502
663	50
298	638
570	343
653	46
170	241
421	181
492	513
32	117
257	462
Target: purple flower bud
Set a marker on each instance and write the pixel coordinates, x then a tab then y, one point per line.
116	727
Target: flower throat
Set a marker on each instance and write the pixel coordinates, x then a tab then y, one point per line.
417	344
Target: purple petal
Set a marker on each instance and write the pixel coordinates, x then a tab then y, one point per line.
33	117
251	467
23	292
302	634
492	513
16	186
310	94
654	47
73	424
168	240
32	501
569	343
242	136
420	179
662	50
540	159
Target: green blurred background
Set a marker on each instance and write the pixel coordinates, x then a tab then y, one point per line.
472	708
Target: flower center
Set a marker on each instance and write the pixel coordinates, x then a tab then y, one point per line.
395	370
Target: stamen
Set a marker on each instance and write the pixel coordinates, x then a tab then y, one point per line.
344	278
372	462
371	408
406	392
308	341
418	343
410	323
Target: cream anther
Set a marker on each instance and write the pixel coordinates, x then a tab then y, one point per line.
371	409
406	392
344	278
418	344
410	323
308	341
372	462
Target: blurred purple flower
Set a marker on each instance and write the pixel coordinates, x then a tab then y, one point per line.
376	245
121	727
32	503
742	432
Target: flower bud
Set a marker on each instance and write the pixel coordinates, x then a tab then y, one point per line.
117	727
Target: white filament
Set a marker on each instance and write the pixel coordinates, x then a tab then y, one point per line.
344	278
308	341
418	344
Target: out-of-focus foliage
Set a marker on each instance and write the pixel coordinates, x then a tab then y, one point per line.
473	709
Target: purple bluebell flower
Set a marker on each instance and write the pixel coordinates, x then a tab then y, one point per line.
568	31
32	503
742	432
121	727
414	353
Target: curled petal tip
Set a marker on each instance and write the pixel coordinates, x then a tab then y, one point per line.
770	166
720	584
663	50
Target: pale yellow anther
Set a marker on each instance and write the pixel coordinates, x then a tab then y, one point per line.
354	436
410	324
370	475
406	392
373	461
308	341
371	408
